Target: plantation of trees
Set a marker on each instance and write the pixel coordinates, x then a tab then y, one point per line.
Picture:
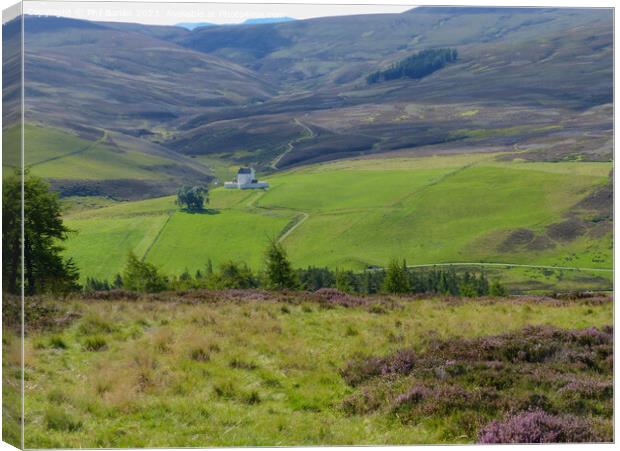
416	66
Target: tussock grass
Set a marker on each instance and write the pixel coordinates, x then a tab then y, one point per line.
94	343
59	420
270	378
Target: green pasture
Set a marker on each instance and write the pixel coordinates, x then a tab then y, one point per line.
54	153
355	213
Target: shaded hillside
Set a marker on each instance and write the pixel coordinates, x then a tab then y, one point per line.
283	94
121	76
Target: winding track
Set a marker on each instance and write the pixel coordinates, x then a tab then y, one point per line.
290	145
570	268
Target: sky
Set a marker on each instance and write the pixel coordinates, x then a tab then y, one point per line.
218	13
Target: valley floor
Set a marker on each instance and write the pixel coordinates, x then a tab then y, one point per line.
353	214
204	368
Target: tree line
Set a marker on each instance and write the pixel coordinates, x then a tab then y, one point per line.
416	66
278	273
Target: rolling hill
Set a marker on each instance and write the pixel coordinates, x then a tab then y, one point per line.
295	92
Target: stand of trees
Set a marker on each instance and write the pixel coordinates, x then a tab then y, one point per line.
44	268
193	197
416	66
278	274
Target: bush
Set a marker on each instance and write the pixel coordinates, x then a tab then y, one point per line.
538	426
142	276
233	275
278	268
397	278
59	420
94	343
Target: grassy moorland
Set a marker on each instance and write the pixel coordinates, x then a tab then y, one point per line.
205	368
355	213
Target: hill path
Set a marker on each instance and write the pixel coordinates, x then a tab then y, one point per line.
103	138
291	144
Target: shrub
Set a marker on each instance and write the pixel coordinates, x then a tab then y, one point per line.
233	275
397	278
142	276
278	269
59	420
94	343
537	426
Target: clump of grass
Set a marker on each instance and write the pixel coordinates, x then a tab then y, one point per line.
57	396
285	309
242	365
59	420
57	342
162	339
95	325
199	354
252	398
225	390
351	331
94	343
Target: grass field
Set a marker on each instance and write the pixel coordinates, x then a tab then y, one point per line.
355	213
245	368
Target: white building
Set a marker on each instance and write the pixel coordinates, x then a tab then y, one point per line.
246	179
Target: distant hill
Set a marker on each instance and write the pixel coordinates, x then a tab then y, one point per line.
290	93
267	20
193	25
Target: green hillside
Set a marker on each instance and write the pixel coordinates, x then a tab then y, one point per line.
356	213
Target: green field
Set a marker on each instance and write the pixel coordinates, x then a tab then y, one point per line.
215	371
355	213
58	154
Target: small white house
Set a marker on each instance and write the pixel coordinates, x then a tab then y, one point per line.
246	179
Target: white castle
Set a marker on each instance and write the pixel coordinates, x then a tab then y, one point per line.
246	179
